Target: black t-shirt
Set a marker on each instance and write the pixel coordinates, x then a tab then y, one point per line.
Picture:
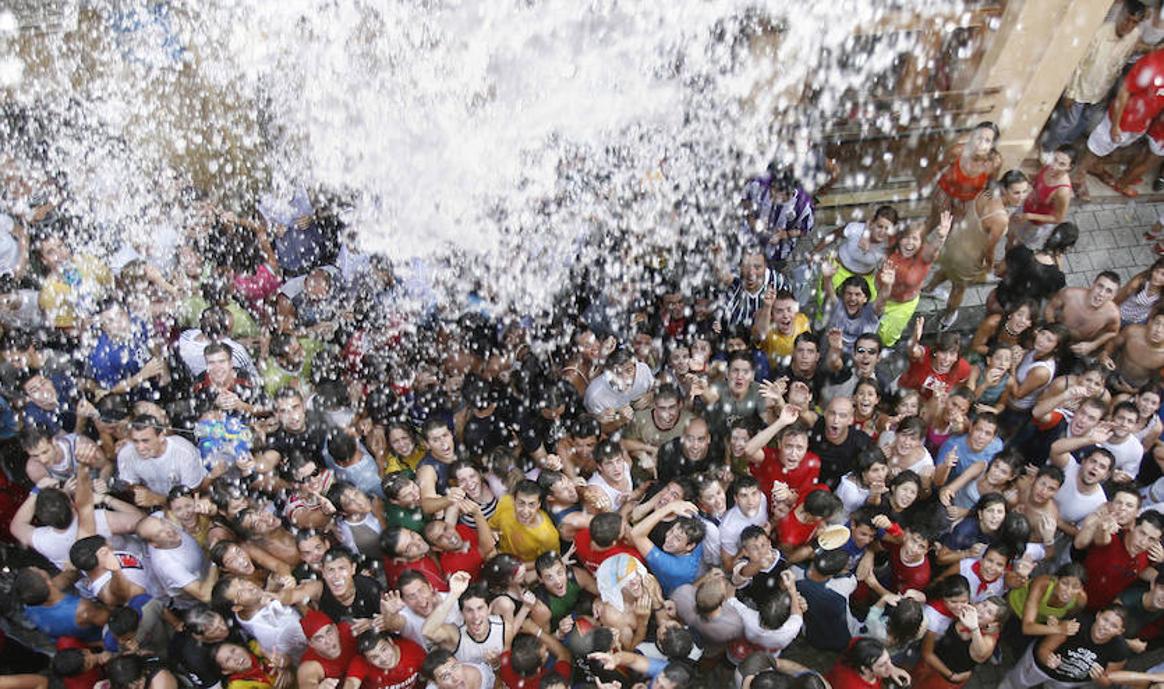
311	441
482	435
194	660
836	460
672	463
365	605
1078	653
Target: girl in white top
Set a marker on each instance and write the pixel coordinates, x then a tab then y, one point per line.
905	450
866	482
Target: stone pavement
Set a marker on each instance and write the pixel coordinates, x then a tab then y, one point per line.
1111	237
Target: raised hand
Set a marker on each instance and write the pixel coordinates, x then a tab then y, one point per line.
459	583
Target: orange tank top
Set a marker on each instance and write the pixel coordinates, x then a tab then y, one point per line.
958	185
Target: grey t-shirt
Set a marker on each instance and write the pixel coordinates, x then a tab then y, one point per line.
850	253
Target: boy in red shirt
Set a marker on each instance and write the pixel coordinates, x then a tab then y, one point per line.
797	529
385	662
534	655
602	540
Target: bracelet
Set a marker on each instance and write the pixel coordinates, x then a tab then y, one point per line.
539	634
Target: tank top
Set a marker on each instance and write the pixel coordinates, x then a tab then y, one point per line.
954	651
1039	202
469	650
958	185
1018	602
1025	367
363	536
1135	308
962	254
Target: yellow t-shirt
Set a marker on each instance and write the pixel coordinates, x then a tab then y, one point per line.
78	288
776	345
519	540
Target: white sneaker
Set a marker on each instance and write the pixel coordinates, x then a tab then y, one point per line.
948	320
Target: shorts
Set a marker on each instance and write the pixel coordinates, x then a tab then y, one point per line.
1101	144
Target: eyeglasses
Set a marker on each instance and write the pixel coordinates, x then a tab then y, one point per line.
867	350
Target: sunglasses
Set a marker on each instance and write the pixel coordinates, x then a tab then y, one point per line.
867	350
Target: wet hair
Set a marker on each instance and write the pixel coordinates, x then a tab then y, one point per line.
798	427
904	619
1110	275
125	670
866	460
525	656
30	587
830	562
1062	238
822	504
434	423
669	391
1152	517
952	587
743	483
585	426
393	484
68	662
862	653
1075	570
199	618
776	610
751	531
605	529
986	124
771	679
83	553
475	590
527	487
338	552
1011	178
677	643
911	425
1053	472
499	571
887	212
1012	458
123	620
907	476
948	342
677	673
370	639
436	658
855	282
34	435
546	560
1134	8
408	576
693	529
53	508
989	500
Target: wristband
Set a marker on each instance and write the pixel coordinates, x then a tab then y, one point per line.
35	490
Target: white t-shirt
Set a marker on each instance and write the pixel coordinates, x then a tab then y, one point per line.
54	545
9	247
177	568
134	567
180	464
413	623
1127	454
1073	505
276	627
191	346
734	523
616	495
852	257
601	395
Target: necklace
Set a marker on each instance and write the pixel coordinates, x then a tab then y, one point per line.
1006	327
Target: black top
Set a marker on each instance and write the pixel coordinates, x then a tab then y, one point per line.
1026	277
672	463
365	605
836	460
1079	652
954	651
311	441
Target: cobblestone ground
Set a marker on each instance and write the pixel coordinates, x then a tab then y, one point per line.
1111	237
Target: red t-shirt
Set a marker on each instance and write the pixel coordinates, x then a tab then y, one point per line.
469	561
406	674
1110	570
801	479
921	374
1145	85
592	558
909	274
425	565
335	668
87	679
905	576
515	681
792	531
844	677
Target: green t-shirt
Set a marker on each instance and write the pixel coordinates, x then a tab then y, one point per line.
411	519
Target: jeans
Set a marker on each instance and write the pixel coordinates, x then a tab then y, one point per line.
1067	125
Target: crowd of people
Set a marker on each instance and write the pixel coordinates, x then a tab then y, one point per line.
236	455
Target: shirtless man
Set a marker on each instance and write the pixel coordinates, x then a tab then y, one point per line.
1090	314
1136	353
1037	503
641	597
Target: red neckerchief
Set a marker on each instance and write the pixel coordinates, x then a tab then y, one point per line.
940	606
983	584
254	674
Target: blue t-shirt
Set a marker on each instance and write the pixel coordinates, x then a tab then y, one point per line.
111	361
673	571
966	458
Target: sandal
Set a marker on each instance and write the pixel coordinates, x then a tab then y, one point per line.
1126	190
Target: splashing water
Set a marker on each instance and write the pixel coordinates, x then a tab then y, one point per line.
519	139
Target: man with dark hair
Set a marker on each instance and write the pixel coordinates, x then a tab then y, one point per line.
827	587
688	454
274	624
736	397
156	462
222	387
750	509
678	561
1090	313
525	529
652	428
214	325
405	609
799	527
1064	661
846	367
533	657
405	549
297	429
937	368
191	650
385	662
1130	555
805	365
745	292
835	441
53	611
624	386
601	540
445	672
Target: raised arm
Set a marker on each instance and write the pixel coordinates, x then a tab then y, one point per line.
640	535
435	629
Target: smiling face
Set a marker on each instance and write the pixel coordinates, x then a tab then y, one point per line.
236	561
1108	625
904	495
982	433
749	500
990	518
476	614
676	541
401	442
993	565
666	413
232	658
753	270
854	300
443	537
866	399
420	597
311	550
713	499
999	473
695	440
879	230
910	241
